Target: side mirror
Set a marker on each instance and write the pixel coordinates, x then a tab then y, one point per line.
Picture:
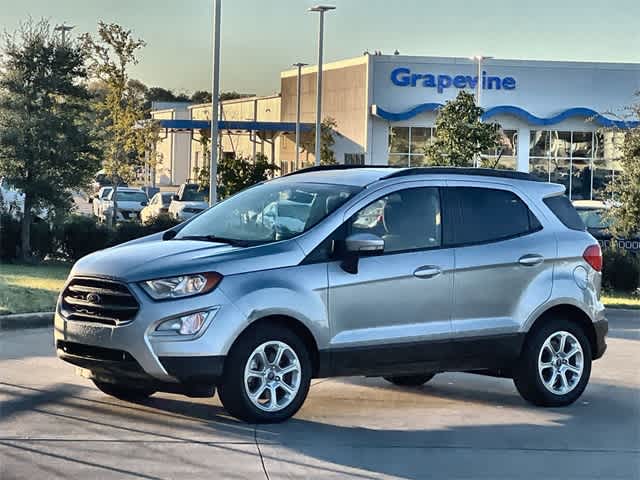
169	234
144	204
175	197
90	199
358	245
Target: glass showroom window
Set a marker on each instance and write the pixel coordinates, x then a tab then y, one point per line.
582	161
505	156
407	144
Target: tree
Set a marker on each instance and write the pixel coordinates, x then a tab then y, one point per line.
201	96
235	174
327	140
46	141
625	214
461	136
121	110
232	95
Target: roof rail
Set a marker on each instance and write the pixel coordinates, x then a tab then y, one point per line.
482	172
322	168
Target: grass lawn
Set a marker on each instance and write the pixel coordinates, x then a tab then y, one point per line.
620	300
31	288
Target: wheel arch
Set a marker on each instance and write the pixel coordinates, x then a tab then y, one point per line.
293	324
572	313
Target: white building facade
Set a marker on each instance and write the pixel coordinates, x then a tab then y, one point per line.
561	121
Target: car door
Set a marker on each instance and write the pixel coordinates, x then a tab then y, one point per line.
504	258
394	313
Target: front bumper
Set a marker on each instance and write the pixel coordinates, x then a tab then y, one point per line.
160	358
601	328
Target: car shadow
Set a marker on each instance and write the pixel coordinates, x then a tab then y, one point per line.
596	435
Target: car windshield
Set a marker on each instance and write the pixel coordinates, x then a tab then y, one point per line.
192	194
124	196
594	218
268	212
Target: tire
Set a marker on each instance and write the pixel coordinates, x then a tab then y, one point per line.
541	359
124	392
410	380
247	372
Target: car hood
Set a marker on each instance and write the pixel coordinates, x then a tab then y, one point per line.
154	258
178	205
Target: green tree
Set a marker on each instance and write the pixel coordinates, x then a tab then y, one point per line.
201	96
46	142
233	95
113	53
327	141
235	174
461	136
625	189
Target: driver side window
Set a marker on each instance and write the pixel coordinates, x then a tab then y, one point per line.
406	220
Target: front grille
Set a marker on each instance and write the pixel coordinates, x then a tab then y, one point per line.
98	301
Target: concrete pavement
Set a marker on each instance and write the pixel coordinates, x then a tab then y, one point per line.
56	425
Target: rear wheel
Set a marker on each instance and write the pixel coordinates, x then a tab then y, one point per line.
555	364
124	392
410	380
267	375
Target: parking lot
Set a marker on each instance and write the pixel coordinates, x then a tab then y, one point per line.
54	424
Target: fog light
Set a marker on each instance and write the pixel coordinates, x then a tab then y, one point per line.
187	325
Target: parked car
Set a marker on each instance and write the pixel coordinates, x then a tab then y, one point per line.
592	213
188	201
130	202
474	270
101	179
12	201
99	199
158	205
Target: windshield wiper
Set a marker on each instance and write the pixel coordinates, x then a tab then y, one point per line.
213	238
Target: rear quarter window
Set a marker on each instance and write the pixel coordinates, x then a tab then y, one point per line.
562	208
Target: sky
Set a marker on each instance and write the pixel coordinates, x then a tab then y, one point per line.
260	38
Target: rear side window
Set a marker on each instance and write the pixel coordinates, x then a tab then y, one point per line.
481	215
561	207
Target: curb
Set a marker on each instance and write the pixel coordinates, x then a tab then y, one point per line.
22	321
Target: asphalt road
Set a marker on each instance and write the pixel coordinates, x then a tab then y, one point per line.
56	425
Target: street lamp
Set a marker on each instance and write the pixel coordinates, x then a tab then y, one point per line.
320	9
479	59
63	29
298	91
215	96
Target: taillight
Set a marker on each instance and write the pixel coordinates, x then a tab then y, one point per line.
593	256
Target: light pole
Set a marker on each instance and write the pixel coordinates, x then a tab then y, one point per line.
215	97
479	59
63	29
320	9
298	91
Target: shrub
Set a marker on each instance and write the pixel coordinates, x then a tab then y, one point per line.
620	271
78	236
9	237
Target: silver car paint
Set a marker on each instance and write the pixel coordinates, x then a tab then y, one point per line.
385	302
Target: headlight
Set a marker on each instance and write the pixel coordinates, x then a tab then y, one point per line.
182	286
185	325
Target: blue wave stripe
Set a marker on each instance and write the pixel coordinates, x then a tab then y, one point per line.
521	113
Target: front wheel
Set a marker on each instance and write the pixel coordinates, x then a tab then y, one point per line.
267	375
410	380
555	364
123	392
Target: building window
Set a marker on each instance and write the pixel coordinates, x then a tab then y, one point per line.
584	162
504	157
354	158
407	144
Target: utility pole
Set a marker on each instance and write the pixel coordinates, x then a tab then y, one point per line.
298	92
320	9
63	29
215	99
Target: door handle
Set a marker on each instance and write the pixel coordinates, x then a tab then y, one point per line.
531	260
428	271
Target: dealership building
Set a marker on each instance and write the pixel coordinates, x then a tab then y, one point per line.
561	121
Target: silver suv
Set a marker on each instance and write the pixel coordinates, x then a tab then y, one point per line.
398	273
